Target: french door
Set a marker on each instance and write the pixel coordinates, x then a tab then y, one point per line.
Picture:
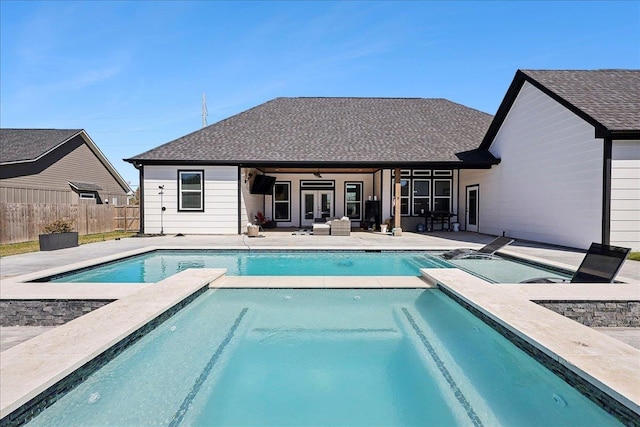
471	209
315	204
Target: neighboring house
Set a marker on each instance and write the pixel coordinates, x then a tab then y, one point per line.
60	166
314	158
569	150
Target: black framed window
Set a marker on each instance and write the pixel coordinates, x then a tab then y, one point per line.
421	196
191	190
282	201
353	200
405	195
442	195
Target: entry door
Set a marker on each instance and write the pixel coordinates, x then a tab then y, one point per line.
471	212
316	204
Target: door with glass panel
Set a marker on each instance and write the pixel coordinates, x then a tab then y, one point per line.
471	209
316	204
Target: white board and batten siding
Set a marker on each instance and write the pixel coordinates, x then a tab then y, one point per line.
625	194
548	186
220	215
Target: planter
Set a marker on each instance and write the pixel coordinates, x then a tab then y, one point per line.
383	228
53	241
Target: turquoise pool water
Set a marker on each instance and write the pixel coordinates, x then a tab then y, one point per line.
159	265
323	357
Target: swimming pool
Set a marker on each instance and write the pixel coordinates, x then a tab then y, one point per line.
323	357
158	265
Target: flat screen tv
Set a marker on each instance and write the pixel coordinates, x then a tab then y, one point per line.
262	184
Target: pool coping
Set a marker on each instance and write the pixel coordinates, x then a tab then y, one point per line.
610	365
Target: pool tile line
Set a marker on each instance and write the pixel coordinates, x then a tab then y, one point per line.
188	400
471	413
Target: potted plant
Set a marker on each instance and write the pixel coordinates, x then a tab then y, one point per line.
58	234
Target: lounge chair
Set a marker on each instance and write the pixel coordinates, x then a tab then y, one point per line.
486	251
601	264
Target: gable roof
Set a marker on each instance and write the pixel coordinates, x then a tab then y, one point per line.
29	145
333	131
607	99
21	145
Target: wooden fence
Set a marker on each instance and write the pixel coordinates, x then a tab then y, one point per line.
23	222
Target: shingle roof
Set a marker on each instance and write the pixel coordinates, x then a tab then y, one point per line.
19	145
611	97
85	186
607	99
333	130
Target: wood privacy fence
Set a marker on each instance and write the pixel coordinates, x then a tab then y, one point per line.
23	222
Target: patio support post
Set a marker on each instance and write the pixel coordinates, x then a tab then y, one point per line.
396	200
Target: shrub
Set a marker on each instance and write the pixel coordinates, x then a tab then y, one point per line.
58	226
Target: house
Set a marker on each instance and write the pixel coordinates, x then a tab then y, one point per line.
559	163
301	160
569	150
60	166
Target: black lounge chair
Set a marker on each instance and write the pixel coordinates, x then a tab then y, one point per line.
601	264
486	251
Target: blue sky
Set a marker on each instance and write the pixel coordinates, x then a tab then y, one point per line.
133	73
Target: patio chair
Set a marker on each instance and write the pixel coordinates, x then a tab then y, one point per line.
601	264
486	251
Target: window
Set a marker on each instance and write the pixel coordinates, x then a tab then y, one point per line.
442	195
87	195
424	190
282	201
191	191
421	196
353	200
405	185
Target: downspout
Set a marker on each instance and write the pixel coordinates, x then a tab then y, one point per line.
606	191
239	201
141	200
458	198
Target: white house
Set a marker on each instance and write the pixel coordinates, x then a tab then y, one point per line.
559	163
569	150
300	160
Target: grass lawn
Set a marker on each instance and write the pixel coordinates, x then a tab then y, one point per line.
22	248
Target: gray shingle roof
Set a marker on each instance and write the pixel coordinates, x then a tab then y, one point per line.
611	97
85	186
19	145
333	130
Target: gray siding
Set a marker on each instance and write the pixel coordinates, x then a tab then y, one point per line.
47	180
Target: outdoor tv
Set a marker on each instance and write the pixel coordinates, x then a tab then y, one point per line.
263	184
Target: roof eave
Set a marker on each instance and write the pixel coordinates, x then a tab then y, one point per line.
440	164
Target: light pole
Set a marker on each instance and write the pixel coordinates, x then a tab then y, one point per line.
162	208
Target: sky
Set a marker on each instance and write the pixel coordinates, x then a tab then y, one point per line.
133	73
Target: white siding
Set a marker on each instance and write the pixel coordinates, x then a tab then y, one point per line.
625	194
220	214
548	186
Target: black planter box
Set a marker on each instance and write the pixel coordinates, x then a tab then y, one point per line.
51	242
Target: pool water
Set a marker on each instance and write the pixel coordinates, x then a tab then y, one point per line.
500	270
158	265
283	357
